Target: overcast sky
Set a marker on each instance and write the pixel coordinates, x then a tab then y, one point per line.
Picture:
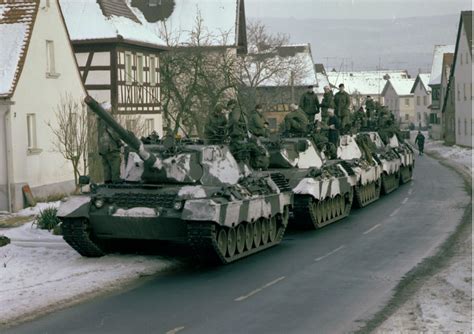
363	9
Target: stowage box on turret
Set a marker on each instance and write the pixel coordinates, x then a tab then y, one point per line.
187	192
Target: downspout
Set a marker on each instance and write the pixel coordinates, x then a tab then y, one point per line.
7	160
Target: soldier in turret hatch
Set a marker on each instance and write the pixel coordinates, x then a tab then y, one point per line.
258	126
109	150
296	122
342	102
326	103
309	103
215	129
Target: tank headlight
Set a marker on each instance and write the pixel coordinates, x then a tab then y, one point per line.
178	205
99	202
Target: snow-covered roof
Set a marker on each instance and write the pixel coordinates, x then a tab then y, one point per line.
299	61
401	86
219	18
424	79
16	24
86	20
365	82
437	66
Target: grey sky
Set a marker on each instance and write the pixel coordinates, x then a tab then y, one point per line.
363	9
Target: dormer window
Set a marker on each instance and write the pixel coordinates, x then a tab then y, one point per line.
154	3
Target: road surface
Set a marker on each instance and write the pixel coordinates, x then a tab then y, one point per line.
326	281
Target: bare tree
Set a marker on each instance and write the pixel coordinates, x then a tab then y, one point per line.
71	133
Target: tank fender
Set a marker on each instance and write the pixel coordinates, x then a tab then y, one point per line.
74	207
322	189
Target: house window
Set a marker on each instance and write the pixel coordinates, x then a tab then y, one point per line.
465	91
461	58
459	126
418	100
128	68
459	92
50	61
465	127
467	58
31	130
140	68
418	116
425	100
272	123
149	125
407	117
131	125
152	70
407	102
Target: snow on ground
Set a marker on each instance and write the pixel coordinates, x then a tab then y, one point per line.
39	272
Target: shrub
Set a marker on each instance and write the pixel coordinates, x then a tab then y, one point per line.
47	219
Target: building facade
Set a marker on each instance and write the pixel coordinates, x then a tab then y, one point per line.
37	75
400	101
422	98
436	126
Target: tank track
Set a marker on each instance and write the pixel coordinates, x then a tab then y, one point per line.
406	173
76	234
368	193
203	239
314	214
390	182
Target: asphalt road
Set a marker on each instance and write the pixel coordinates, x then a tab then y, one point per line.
326	281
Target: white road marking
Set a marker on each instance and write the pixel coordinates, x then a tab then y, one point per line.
176	330
410	191
250	294
371	229
394	212
405	200
330	253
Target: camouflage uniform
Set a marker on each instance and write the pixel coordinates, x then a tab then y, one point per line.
369	107
309	103
257	124
215	129
359	120
342	101
326	103
109	150
296	123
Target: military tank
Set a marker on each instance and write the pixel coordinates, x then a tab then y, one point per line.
366	177
322	191
407	156
386	157
185	192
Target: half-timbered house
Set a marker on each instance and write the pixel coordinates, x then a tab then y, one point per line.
118	57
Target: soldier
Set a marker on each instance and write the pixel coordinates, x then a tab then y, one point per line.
369	106
334	126
342	101
109	150
420	140
326	103
258	126
215	129
296	122
309	103
359	119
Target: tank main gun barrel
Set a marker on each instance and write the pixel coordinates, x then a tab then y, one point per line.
128	137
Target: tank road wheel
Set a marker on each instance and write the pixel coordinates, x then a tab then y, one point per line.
319	213
231	242
334	206
328	209
257	233
222	241
272	229
248	236
264	230
240	238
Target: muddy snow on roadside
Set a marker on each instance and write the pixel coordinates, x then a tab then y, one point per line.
40	272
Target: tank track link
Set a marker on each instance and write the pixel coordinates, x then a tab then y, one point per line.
76	234
368	193
203	239
313	214
390	182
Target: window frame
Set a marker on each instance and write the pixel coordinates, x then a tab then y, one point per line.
128	68
140	68
51	67
31	132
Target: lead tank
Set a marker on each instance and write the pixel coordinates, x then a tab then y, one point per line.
322	191
188	192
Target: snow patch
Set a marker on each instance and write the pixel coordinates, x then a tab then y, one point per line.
12	38
33	211
135	212
192	192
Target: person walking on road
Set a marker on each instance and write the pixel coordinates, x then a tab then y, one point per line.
420	140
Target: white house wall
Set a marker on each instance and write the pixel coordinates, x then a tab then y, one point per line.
422	100
43	169
463	98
